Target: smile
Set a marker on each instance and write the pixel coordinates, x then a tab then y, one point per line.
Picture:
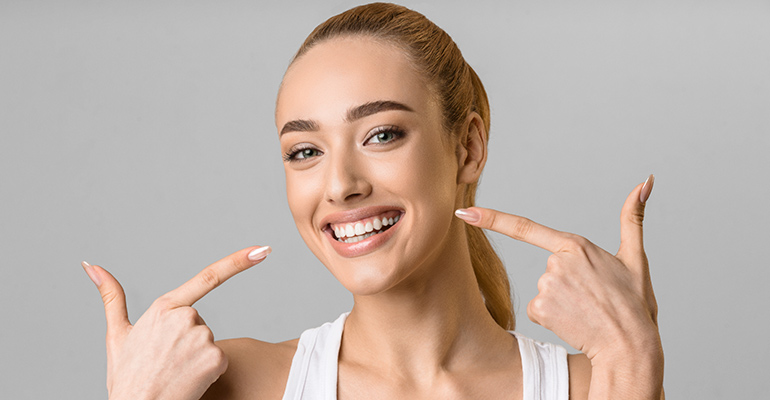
356	231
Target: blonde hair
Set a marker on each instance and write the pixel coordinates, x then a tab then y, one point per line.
460	92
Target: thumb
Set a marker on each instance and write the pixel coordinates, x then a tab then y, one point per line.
113	297
631	223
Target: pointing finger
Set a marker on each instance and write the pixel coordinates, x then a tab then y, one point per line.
517	227
631	219
113	297
216	274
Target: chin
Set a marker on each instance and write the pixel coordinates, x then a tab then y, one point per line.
366	277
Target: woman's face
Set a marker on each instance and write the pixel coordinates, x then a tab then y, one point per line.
371	176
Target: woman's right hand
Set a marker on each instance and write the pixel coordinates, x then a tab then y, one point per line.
170	352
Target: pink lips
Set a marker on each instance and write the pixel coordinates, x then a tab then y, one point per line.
364	246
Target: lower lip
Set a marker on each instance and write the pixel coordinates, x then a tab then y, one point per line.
365	246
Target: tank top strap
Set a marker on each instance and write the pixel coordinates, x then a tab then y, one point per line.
313	373
544	369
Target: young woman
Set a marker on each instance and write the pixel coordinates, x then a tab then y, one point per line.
384	128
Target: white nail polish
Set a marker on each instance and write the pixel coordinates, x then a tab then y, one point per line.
644	194
259	253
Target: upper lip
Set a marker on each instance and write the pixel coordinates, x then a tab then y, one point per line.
357	214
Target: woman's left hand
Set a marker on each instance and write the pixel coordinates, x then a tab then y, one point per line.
599	303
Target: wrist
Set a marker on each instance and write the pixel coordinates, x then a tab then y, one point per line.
137	394
630	369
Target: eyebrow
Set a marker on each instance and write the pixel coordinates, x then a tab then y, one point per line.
355	113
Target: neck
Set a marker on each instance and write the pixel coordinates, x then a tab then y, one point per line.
433	321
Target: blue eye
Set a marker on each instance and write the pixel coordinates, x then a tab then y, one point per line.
385	135
382	137
306	153
301	154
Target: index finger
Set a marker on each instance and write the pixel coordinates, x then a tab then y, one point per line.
517	227
216	274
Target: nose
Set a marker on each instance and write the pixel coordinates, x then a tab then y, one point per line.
347	178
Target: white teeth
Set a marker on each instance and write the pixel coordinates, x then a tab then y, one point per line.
356	232
356	239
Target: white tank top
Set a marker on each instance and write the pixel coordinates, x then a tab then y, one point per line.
313	373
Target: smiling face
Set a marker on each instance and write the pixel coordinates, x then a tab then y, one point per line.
370	173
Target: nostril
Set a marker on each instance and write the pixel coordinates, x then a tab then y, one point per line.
353	196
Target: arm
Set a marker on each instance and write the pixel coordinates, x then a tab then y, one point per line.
600	385
256	370
638	380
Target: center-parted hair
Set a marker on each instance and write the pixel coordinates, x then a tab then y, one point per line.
459	91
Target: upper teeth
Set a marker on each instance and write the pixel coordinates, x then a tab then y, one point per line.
363	227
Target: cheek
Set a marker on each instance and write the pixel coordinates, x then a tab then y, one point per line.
302	193
431	172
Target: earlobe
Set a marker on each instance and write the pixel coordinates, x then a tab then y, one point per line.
472	149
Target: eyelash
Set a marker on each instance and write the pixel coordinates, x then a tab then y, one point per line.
398	133
291	155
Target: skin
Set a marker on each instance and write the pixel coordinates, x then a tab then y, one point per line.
419	328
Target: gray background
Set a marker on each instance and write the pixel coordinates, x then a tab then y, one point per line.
141	137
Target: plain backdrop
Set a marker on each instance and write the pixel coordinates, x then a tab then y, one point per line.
140	136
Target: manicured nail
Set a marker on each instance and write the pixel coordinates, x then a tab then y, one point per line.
468	215
91	273
259	253
647	189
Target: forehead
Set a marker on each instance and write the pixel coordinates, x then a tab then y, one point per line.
341	73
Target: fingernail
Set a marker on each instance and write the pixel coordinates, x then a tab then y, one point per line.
468	215
259	253
646	189
91	273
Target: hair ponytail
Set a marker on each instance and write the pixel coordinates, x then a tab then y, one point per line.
460	92
490	272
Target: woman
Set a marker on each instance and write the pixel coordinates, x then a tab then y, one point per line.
384	131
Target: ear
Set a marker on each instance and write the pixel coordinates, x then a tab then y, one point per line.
471	149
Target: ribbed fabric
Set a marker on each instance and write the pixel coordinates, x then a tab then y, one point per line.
313	374
544	368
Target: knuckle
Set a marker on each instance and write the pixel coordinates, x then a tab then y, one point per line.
218	355
534	311
576	243
546	283
636	216
522	229
206	334
162	302
240	264
536	307
554	264
491	220
185	317
109	297
188	314
218	360
210	278
202	334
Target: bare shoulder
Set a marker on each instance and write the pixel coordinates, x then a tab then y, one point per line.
255	369
579	376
